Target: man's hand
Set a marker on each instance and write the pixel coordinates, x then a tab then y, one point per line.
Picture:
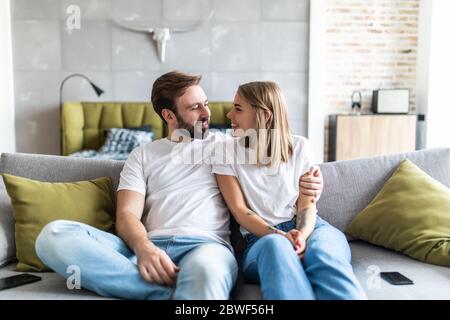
156	266
311	183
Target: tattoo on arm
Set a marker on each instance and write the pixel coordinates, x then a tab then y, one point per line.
305	217
270	228
274	230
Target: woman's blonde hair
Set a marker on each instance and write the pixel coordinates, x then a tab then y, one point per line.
274	144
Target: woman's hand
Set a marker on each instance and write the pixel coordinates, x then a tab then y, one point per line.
297	240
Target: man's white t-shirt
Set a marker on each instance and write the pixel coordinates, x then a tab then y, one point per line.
272	194
181	198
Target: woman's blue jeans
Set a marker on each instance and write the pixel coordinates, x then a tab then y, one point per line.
324	272
108	267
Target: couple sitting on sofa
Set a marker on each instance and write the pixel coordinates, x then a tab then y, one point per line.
174	225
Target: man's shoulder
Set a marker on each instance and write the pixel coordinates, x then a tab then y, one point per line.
147	150
154	144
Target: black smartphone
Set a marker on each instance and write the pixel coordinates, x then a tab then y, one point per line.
395	278
17	280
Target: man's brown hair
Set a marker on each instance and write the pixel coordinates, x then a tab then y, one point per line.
170	86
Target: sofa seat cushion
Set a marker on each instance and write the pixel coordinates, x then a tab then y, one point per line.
51	287
430	281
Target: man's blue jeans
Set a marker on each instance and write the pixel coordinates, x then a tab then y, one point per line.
108	267
324	272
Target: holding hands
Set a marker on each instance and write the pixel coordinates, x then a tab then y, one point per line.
297	240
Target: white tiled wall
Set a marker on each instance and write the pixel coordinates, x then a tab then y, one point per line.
246	40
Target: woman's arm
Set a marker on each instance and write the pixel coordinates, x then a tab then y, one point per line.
306	214
232	193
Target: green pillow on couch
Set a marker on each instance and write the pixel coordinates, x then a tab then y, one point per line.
410	214
37	203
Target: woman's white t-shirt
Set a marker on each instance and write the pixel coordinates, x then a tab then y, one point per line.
272	194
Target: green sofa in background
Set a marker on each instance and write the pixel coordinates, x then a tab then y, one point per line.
83	123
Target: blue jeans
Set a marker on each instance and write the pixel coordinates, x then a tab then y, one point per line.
108	267
324	272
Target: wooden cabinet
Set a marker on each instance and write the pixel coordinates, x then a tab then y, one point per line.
361	136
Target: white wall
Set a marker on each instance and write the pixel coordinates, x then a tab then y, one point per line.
241	43
317	77
7	137
423	66
438	99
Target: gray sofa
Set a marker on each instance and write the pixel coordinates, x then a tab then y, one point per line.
349	187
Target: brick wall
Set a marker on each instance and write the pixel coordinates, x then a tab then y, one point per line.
370	44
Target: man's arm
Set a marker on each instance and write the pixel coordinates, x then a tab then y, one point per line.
130	205
154	264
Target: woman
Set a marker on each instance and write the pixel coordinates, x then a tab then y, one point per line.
291	251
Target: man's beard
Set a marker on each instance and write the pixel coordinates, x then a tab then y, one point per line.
195	131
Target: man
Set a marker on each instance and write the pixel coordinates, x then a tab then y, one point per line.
172	223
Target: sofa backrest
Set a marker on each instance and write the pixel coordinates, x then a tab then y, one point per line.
349	186
83	123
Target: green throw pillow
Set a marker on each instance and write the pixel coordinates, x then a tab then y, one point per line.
37	203
410	214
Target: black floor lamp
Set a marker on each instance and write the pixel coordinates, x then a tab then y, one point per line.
97	90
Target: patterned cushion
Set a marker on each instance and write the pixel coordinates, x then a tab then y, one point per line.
124	140
118	145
